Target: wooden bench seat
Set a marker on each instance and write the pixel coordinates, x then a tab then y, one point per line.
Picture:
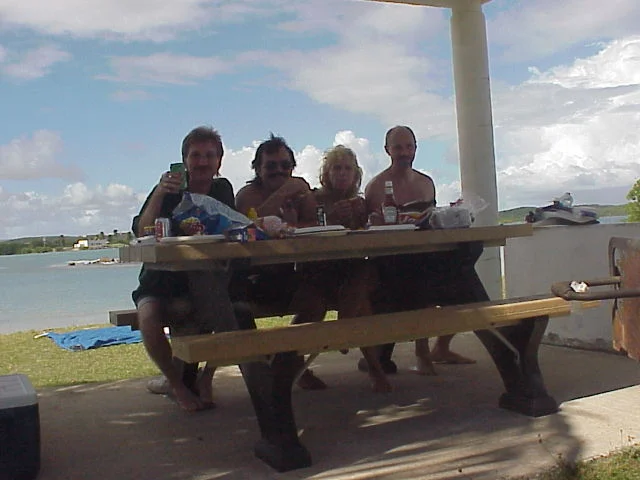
129	317
229	348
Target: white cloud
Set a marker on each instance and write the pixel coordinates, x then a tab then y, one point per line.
375	68
616	65
155	20
356	18
137	20
538	28
35	157
571	128
34	63
78	210
165	68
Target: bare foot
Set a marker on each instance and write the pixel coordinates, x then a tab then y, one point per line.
380	384
205	390
187	400
424	367
449	357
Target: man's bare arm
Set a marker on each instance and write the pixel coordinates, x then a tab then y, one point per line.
373	196
294	187
168	184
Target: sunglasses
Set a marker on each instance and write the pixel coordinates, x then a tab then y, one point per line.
272	166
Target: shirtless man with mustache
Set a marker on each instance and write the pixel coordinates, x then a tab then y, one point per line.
275	191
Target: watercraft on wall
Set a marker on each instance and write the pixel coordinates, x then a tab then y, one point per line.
562	212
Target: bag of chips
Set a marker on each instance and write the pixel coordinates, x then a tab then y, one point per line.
199	214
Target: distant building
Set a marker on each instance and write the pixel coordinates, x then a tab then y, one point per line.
84	243
81	243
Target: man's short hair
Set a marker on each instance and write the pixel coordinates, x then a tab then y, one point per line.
396	128
273	145
201	134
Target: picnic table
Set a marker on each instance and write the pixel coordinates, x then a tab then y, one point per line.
511	330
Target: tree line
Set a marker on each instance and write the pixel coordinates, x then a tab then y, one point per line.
54	243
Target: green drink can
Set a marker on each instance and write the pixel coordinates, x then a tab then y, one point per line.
180	168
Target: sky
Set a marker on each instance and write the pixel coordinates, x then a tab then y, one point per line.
96	97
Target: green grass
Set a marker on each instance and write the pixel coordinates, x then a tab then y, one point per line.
623	464
47	365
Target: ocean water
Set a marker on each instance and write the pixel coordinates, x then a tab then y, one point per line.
614	219
41	291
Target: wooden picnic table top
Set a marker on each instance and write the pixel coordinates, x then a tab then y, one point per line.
176	256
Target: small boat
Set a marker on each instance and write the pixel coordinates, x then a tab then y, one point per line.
97	261
562	212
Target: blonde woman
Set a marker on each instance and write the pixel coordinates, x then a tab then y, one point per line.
340	180
344	284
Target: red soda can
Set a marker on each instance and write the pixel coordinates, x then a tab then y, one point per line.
163	227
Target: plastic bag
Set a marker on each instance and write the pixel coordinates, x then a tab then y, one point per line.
201	214
458	214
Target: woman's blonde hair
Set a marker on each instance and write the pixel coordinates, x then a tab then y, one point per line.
333	155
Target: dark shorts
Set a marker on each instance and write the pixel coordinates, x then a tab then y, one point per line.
272	285
410	282
330	277
160	284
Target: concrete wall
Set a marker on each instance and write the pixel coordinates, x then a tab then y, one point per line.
559	253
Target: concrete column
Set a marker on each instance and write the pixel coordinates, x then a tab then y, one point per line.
475	126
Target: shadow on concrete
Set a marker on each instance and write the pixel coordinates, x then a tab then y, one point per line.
445	427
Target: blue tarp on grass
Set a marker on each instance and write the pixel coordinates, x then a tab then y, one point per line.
95	338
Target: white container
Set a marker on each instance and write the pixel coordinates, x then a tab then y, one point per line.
19	429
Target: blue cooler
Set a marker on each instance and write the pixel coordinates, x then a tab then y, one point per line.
19	429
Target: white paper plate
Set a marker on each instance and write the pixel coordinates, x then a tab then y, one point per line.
387	228
193	239
327	233
327	229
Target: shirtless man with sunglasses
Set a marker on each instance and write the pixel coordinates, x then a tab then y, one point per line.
274	190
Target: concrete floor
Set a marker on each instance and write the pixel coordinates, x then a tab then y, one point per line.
445	427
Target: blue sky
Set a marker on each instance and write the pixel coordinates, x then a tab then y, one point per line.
95	97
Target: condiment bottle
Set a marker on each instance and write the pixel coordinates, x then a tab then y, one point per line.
389	205
252	214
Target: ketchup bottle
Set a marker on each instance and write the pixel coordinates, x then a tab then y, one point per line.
389	205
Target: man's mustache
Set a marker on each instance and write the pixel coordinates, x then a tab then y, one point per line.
279	174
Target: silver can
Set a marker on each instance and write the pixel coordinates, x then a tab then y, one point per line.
321	215
163	227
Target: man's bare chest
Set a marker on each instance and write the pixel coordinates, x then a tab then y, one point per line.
405	193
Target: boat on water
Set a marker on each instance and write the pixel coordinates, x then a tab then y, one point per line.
97	261
562	212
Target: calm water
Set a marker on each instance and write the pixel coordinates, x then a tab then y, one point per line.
41	291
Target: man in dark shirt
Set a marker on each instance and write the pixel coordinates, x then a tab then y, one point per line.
160	291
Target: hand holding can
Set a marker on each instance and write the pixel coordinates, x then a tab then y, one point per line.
180	169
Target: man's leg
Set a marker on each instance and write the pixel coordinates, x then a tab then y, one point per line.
309	305
150	318
424	362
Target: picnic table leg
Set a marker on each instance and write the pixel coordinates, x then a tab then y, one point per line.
521	375
525	389
269	386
